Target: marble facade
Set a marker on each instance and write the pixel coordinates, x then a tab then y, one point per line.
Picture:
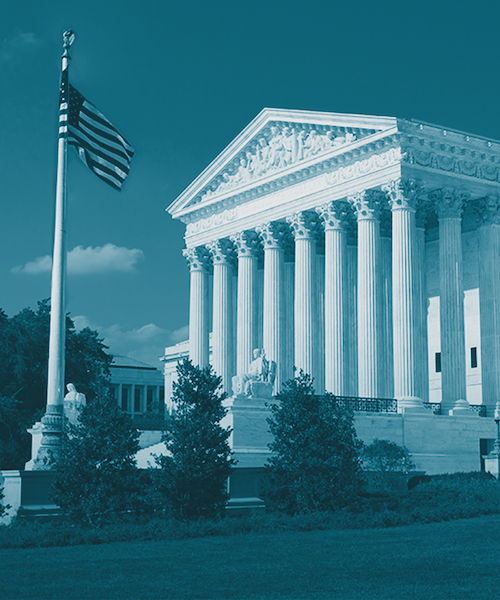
308	236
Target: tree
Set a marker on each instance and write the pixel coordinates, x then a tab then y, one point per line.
315	461
97	478
193	477
387	462
24	347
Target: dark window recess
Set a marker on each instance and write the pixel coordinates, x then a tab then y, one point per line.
473	358
438	362
124	398
150	399
137	399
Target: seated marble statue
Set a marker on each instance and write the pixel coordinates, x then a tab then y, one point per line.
259	379
73	403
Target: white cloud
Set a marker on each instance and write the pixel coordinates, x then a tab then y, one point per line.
17	44
83	261
145	343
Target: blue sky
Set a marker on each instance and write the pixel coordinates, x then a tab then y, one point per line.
181	80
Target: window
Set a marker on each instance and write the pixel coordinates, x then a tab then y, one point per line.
138	399
473	358
437	357
125	395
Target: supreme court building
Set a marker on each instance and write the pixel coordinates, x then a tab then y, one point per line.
363	250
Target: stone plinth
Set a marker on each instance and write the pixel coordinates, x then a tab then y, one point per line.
247	418
36	433
28	493
492	464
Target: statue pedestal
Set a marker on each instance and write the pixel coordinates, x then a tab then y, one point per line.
36	433
247	417
492	464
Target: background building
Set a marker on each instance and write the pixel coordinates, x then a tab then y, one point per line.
138	388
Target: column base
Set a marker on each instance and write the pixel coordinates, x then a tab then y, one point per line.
462	409
412	404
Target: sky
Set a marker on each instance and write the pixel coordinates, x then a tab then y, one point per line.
180	80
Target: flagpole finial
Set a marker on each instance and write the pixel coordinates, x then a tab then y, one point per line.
68	39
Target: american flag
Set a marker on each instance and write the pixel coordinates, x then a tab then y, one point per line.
98	143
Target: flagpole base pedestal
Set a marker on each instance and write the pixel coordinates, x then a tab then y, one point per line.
49	449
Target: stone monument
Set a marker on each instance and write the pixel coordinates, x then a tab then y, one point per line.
73	404
258	381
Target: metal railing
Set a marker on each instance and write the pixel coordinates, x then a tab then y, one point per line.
479	408
371	405
436	408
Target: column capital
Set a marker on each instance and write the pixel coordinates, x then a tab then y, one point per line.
198	258
488	210
246	243
303	225
402	194
222	252
334	215
449	202
272	235
367	204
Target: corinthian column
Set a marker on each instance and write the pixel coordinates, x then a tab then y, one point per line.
198	261
274	300
246	244
403	198
222	353
305	257
488	210
449	207
367	207
333	215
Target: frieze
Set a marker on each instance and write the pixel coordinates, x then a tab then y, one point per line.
363	167
281	147
463	162
215	220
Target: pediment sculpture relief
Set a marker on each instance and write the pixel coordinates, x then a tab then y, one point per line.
282	147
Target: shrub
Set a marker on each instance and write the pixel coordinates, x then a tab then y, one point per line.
193	477
315	453
96	478
387	462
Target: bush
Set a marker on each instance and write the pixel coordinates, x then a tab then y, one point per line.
193	477
387	463
315	462
96	478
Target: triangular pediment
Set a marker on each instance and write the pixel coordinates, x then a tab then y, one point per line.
275	143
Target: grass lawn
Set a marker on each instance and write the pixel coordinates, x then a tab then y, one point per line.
452	560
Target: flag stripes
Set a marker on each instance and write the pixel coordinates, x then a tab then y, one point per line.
98	143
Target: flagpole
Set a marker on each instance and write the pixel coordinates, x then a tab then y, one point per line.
52	421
